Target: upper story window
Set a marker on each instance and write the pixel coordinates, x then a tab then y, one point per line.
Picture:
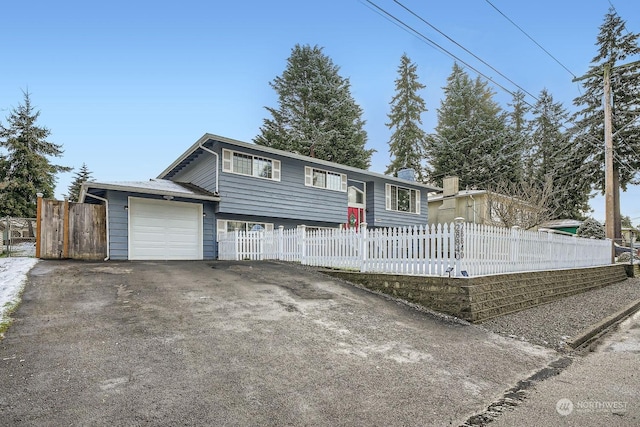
250	165
402	199
356	197
325	179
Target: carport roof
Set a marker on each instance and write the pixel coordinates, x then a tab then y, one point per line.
162	187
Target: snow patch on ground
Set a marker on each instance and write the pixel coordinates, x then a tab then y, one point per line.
13	275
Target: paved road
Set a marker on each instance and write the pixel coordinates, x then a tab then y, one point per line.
600	389
223	343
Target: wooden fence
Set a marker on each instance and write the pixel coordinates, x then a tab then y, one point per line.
71	230
459	249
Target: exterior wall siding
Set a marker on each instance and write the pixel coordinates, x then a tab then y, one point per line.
288	201
119	224
202	172
378	216
288	198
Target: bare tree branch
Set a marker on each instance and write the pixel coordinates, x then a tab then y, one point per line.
521	204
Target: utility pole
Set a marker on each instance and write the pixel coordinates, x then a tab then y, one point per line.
611	179
609	202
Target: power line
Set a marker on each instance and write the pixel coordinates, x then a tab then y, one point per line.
586	137
398	22
462	47
530	38
395	21
432	43
616	12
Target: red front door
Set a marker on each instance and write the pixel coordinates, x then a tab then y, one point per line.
355	216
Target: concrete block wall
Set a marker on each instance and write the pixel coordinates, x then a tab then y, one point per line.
476	299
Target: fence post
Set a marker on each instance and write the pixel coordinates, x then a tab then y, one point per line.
65	233
514	247
38	224
459	244
7	230
280	252
303	243
364	247
236	243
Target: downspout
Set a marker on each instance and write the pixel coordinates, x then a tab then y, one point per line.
106	208
217	161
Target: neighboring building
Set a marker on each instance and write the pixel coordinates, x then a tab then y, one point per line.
472	205
480	207
569	226
627	235
17	228
222	184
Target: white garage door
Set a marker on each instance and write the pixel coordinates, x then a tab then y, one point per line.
164	230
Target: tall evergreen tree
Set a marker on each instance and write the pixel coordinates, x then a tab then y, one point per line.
472	139
518	124
26	169
316	116
81	176
616	49
406	145
553	157
548	141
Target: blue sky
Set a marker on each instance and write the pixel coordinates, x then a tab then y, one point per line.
126	87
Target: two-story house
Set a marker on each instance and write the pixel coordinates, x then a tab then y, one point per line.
220	184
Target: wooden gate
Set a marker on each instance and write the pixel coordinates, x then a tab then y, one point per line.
71	230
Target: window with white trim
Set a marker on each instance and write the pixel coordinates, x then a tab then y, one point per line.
250	165
355	197
402	199
320	178
226	225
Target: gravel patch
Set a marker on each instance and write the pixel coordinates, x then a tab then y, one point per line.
551	325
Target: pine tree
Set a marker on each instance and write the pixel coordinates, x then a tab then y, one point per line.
616	46
26	169
552	156
518	124
472	139
82	176
316	116
406	145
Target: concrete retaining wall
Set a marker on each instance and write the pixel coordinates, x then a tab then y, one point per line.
476	299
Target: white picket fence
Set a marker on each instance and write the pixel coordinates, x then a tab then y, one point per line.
458	249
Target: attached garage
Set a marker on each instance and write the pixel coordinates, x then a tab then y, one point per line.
156	219
164	230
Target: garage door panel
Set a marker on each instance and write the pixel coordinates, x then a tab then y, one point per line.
164	230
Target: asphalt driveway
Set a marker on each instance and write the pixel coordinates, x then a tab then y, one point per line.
246	343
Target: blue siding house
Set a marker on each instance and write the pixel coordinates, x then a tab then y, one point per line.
220	184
